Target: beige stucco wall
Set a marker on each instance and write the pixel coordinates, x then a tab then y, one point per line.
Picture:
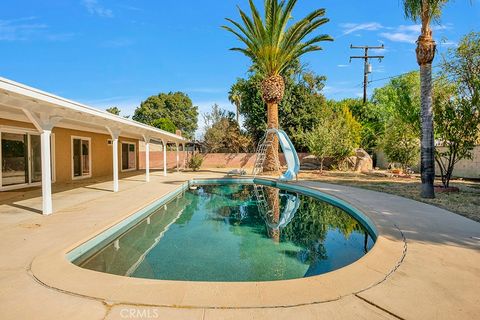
101	151
466	168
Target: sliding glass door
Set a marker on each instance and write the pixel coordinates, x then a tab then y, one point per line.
81	157
14	159
36	158
129	156
20	159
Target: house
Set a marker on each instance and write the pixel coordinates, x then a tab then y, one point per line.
46	139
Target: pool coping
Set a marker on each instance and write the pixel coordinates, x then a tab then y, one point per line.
55	270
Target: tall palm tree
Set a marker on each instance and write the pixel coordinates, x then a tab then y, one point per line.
273	45
235	97
426	11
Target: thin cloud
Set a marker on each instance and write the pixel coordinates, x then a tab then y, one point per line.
343	65
400	36
204	90
349	28
416	28
94	8
408	33
401	33
60	36
446	43
334	90
131	8
127	104
379	51
20	29
27	28
118	43
378	68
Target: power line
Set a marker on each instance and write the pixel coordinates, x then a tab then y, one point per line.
398	75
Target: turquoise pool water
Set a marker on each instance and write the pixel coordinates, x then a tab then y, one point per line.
234	232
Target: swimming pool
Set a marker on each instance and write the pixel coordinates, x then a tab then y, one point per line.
229	230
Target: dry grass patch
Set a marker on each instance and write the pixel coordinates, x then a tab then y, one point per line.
466	202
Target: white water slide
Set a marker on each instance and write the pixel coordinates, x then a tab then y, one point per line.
289	152
291	206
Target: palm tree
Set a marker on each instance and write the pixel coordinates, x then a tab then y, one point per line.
235	97
273	46
426	11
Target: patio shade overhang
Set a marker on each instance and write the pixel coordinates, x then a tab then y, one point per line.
45	111
20	102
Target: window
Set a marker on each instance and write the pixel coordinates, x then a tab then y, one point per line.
129	156
81	158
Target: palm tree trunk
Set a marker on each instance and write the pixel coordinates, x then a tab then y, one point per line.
425	54
271	158
238	114
273	200
428	144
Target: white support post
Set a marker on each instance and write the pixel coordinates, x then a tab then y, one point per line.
115	164
47	207
177	156
147	161
184	156
115	133
44	122
164	144
147	158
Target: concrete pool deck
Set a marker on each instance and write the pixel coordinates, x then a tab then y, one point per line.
425	265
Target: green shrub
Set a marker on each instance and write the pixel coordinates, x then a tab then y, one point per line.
195	162
400	143
336	136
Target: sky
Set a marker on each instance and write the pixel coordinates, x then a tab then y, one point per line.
119	52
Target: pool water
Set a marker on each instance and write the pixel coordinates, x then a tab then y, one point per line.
235	232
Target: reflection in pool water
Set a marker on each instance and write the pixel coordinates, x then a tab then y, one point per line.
235	232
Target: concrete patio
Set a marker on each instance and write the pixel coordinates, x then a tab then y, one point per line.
425	264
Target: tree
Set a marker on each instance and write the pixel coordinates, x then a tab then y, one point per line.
348	134
273	47
235	97
320	141
372	118
114	110
165	124
456	105
400	98
300	110
175	106
457	122
303	103
462	66
400	143
336	135
223	134
425	11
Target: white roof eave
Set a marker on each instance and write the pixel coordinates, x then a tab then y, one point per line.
41	96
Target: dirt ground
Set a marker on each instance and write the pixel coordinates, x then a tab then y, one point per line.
465	203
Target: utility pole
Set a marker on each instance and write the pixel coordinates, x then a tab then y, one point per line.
368	66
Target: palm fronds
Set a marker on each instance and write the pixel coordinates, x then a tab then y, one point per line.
413	8
269	42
